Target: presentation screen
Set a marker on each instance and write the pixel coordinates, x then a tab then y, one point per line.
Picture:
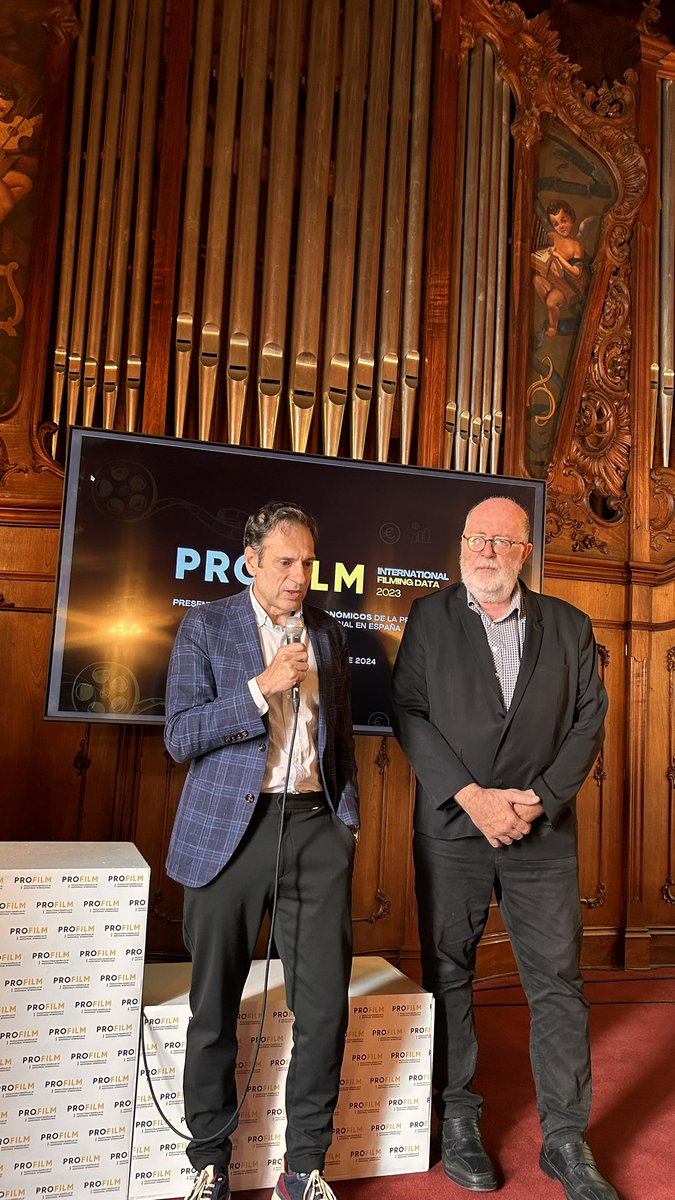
153	527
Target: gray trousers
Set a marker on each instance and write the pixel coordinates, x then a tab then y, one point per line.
539	902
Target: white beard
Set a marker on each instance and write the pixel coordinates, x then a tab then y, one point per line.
490	581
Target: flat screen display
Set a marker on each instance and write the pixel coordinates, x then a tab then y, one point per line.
153	527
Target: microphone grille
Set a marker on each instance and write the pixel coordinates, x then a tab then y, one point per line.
294	627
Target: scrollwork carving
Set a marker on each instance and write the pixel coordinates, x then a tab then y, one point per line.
649	17
383	909
662	514
383	759
45	435
8	468
81	761
561	522
157	910
599	772
598	899
61	21
600	451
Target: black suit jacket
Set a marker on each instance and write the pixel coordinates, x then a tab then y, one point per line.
450	719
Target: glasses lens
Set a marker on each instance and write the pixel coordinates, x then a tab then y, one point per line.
501	545
475	542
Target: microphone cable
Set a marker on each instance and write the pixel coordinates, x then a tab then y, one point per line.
231	1124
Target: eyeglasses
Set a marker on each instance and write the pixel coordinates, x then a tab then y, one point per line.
500	545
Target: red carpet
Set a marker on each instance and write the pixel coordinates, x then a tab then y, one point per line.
633	1121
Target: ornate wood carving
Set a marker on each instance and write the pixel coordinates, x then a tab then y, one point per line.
561	519
8	468
82	761
588	471
383	909
29	478
648	18
662	515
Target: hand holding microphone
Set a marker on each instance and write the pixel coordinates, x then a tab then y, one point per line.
294	628
289	665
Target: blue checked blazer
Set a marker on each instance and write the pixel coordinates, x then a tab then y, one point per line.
212	722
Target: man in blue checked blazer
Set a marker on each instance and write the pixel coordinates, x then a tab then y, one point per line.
259	717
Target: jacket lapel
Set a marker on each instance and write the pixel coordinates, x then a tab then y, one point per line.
249	637
476	636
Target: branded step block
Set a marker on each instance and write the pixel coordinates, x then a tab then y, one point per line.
72	937
382	1122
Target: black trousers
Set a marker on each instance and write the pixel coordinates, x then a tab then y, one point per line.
539	902
313	934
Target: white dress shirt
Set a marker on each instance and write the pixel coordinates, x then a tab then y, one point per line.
304	773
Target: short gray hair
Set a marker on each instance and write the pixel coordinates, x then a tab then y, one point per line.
272	514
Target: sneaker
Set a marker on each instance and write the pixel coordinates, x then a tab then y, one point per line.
296	1186
210	1184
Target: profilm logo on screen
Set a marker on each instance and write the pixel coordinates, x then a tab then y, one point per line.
215	566
153	528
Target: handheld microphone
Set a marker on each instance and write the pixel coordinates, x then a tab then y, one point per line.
293	633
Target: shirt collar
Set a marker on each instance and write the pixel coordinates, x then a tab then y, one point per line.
515	606
262	617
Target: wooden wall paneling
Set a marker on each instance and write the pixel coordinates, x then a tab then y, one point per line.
381	873
646	301
39	779
649	915
100	764
602	801
638	688
650	912
160	783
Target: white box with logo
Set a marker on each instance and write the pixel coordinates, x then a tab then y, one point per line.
382	1121
72	935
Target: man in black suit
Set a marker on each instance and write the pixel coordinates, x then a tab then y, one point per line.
500	709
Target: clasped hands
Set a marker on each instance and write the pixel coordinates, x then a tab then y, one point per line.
288	668
503	815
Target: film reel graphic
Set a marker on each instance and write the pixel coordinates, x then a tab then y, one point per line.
105	687
125	491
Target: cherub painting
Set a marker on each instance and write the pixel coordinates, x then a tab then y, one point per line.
561	269
573	191
24	47
18	156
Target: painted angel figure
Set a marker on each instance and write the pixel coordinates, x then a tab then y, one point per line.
562	267
18	160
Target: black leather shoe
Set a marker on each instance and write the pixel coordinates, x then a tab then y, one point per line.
465	1159
573	1165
